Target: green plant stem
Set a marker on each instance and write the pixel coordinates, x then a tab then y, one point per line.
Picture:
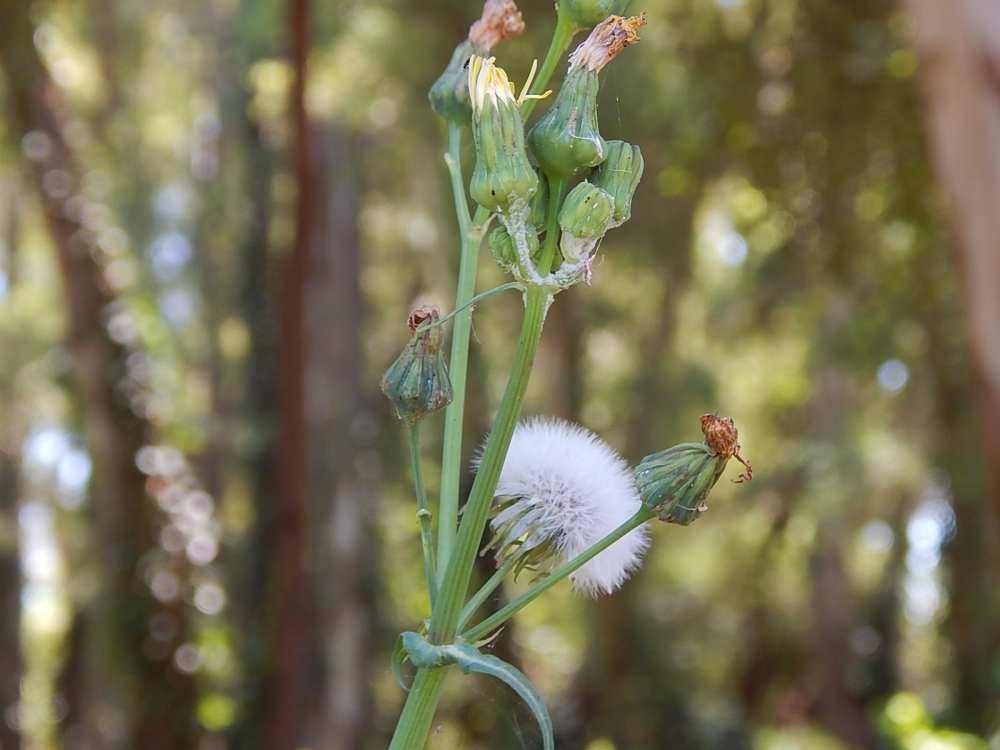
470	531
474	301
643	515
451	459
423	512
565	29
480	596
556	194
418	712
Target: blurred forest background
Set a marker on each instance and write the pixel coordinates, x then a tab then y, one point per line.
214	219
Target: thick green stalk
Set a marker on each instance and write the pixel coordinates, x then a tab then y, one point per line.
451	458
480	596
418	713
565	29
423	512
470	531
491	623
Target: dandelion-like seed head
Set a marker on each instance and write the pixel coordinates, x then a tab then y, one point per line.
562	489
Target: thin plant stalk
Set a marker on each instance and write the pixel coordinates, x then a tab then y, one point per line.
423	512
643	515
418	711
480	596
471	232
565	30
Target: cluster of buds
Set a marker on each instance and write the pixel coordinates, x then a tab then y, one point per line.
675	483
417	383
566	143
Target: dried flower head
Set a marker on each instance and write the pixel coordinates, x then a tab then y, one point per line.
417	383
722	438
501	20
562	489
605	41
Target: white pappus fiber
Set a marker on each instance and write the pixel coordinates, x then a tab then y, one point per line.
575	489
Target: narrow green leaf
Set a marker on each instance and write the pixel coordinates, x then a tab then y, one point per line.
398	657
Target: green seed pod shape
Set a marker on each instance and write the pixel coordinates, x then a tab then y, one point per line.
619	175
586	211
567	140
587	13
675	483
504	251
503	174
449	96
417	383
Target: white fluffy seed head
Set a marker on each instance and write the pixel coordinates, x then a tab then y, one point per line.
574	489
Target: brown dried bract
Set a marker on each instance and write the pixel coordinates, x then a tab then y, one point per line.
722	438
423	314
501	20
606	40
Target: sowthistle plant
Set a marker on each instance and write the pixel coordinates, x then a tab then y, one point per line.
559	501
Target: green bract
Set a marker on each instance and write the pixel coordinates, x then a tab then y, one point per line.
567	140
675	483
619	175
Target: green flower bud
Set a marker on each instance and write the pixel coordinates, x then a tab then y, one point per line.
504	250
449	95
417	383
587	13
586	211
567	139
676	482
619	175
503	179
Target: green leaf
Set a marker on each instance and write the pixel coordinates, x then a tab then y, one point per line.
398	657
427	656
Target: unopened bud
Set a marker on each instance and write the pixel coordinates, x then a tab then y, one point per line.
417	383
538	206
504	249
587	13
676	482
619	175
567	139
449	96
586	211
503	178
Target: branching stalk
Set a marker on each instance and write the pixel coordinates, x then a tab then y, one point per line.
480	596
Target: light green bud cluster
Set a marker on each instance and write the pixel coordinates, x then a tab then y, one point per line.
504	250
586	211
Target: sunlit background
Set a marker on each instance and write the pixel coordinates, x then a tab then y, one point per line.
785	265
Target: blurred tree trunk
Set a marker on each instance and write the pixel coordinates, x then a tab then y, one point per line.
10	603
140	701
342	433
283	720
959	49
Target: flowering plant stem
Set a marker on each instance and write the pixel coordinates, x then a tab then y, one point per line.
423	512
474	634
471	231
480	596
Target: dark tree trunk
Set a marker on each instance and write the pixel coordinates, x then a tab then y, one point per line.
10	605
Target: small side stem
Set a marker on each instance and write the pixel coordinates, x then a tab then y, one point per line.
480	596
491	623
423	512
565	29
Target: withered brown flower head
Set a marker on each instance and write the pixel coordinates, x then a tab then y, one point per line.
425	314
722	438
501	20
607	40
